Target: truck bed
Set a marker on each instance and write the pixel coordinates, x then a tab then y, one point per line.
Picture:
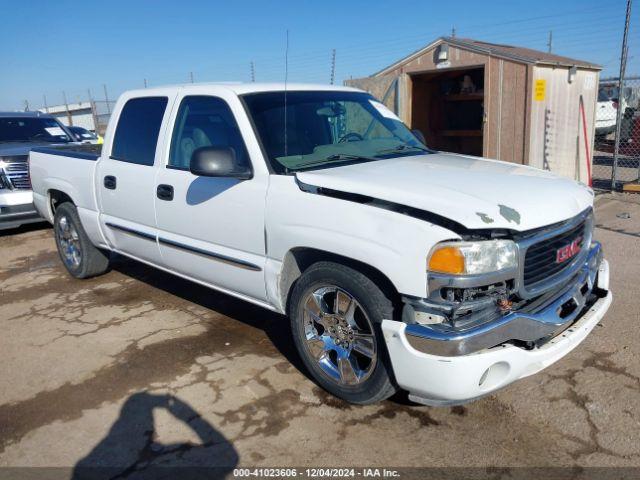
84	151
70	169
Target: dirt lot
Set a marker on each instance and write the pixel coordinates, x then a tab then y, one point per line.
140	368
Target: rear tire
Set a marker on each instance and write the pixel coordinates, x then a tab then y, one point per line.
336	313
80	257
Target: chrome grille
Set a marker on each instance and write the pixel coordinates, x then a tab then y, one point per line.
18	174
540	260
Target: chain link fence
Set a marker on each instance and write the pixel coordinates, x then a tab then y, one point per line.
617	117
101	110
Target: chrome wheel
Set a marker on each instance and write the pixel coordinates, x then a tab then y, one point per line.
69	243
339	335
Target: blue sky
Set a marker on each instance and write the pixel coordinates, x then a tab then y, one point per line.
47	47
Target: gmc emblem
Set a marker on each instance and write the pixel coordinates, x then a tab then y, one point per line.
568	251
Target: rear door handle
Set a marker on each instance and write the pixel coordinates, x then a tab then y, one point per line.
165	192
110	182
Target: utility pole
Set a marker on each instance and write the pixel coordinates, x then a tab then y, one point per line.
106	98
66	105
623	67
145	83
46	108
550	41
453	32
333	65
191	76
253	72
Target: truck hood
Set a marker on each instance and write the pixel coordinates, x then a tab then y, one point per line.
475	192
15	149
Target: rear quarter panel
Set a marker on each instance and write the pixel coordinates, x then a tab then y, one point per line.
72	176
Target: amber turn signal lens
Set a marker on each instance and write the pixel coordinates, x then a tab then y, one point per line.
447	260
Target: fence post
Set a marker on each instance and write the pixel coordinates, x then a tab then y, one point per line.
623	66
66	106
106	98
94	112
333	66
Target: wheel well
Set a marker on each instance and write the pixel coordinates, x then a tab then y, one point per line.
297	260
57	197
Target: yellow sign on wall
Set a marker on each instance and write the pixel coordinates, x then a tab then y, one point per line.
539	90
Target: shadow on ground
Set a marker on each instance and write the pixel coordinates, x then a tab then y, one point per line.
131	448
30	227
274	325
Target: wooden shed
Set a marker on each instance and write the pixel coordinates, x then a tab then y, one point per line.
497	101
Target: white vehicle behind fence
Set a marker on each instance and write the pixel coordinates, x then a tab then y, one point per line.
399	267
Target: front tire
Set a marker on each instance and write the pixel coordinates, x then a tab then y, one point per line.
336	313
79	256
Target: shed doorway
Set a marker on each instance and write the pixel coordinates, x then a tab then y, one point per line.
447	106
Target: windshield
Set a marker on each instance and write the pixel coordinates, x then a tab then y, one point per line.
327	129
83	133
31	129
611	92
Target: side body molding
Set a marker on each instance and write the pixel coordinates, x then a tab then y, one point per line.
386	205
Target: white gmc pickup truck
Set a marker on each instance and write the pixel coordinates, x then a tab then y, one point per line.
399	267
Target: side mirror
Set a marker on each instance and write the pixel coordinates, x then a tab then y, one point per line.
218	162
420	136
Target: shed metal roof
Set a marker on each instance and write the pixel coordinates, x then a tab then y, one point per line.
508	52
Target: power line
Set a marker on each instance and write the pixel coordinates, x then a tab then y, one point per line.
573	30
404	41
402	44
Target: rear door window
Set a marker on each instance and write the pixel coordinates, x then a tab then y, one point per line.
137	131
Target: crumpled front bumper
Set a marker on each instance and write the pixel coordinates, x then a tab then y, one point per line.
435	372
544	322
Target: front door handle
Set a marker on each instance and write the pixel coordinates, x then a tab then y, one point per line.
165	192
110	182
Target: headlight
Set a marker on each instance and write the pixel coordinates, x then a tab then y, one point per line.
472	258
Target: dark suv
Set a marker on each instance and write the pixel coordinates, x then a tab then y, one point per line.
19	133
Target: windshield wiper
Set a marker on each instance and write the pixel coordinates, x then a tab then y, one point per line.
336	158
402	148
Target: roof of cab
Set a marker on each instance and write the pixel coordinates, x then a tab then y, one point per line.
244	88
23	114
